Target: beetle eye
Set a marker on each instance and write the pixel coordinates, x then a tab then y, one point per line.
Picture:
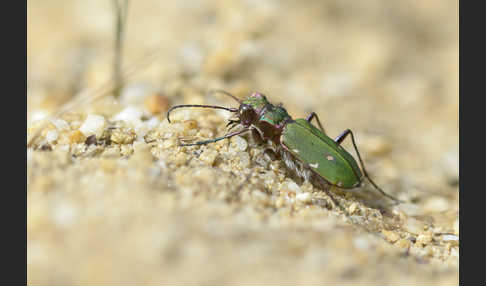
244	108
246	113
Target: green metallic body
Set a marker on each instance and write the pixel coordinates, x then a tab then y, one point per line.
306	143
304	148
325	157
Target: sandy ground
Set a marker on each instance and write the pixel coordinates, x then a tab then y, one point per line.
113	200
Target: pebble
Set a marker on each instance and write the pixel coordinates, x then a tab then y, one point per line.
403	243
166	144
180	159
152	123
244	159
130	114
52	136
239	142
279	202
413	225
76	136
303	197
156	103
408	209
451	238
291	186
436	204
60	124
424	239
191	124
123	136
93	125
353	208
208	156
390	236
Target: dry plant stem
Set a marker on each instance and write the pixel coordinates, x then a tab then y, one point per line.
120	7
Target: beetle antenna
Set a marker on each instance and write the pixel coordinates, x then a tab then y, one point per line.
214	91
216	139
230	109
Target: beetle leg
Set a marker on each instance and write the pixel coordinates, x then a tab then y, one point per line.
314	115
271	152
343	135
340	139
232	124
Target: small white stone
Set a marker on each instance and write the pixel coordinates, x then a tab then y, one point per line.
352	208
208	156
414	226
409	209
153	123
450	237
436	204
64	147
38	115
130	114
51	136
293	187
60	124
303	197
93	125
240	143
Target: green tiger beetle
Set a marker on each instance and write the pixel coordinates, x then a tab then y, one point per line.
304	148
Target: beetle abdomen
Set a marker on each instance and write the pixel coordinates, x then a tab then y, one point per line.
324	156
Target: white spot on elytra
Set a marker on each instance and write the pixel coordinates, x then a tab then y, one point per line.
315	165
340	184
329	157
295	150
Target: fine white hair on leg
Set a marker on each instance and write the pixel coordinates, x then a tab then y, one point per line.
301	169
288	160
306	174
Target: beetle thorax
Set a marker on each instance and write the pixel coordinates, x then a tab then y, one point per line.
266	118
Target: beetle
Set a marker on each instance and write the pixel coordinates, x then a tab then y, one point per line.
304	148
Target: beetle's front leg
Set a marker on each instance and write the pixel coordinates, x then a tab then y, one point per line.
257	137
314	115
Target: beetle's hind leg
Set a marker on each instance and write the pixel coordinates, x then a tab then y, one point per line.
314	115
340	139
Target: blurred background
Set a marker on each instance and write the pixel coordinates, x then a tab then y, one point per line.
388	70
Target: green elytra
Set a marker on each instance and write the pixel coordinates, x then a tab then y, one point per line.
304	148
